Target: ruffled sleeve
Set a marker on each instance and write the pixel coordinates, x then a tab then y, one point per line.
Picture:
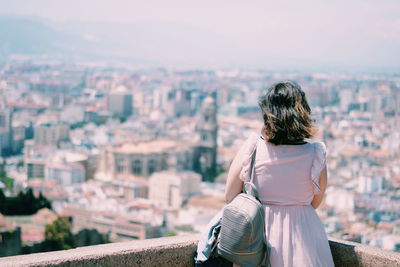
249	147
319	163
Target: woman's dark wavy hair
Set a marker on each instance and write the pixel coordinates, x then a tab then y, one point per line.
286	114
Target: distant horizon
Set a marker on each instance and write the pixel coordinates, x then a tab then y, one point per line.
116	63
356	36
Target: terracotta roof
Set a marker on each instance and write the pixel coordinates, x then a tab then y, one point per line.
156	146
215	202
44	216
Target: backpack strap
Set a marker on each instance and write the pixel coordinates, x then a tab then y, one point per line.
249	187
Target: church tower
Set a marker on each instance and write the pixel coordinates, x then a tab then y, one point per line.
207	131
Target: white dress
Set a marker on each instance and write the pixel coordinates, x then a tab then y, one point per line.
287	179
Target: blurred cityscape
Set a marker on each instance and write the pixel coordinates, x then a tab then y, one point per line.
109	153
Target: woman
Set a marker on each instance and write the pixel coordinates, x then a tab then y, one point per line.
291	178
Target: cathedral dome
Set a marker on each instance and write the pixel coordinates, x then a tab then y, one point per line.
208	101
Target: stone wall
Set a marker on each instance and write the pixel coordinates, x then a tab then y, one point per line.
354	254
178	251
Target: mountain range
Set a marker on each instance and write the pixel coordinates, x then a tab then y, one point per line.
151	42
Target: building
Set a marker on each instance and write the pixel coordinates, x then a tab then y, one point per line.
207	130
83	159
146	157
10	238
34	161
342	200
178	103
172	189
346	97
35	168
48	162
19	136
6	135
51	134
64	173
120	102
33	227
368	184
129	188
123	228
119	227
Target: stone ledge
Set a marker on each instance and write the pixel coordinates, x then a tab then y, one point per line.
347	253
166	251
179	251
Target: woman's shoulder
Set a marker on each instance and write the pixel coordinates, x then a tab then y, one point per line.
251	138
319	158
251	142
319	147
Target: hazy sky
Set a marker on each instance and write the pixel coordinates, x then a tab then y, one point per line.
328	33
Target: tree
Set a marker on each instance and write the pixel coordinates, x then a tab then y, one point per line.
100	121
2	201
20	164
25	203
29	199
172	233
122	119
42	202
7	181
3	172
58	234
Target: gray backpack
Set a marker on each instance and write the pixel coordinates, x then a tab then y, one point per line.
242	236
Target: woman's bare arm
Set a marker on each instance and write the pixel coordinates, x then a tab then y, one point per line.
323	179
233	183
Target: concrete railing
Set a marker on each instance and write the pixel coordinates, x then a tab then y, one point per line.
179	251
354	254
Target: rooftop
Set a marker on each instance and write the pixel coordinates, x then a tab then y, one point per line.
149	147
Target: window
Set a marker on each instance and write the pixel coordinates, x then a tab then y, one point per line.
2	121
137	167
152	166
120	166
164	164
